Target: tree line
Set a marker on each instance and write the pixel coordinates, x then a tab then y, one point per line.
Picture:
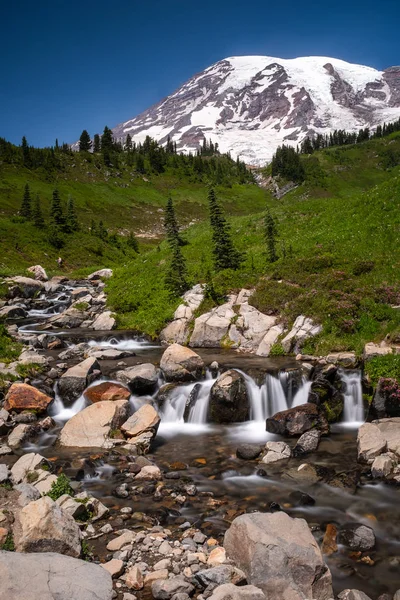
224	252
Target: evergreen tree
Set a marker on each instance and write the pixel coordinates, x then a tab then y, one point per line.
140	163
171	225
175	278
93	228
26	208
128	143
132	242
102	231
71	221
26	155
96	143
107	140
37	215
225	254
85	142
270	235
56	211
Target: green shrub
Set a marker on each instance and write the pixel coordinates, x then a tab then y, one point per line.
277	350
387	366
60	487
9	545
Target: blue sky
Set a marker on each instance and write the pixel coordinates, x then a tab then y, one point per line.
67	65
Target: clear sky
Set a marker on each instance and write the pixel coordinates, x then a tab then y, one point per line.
68	65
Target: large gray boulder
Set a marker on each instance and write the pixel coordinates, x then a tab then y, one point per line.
279	555
45	527
229	401
144	420
52	576
303	328
298	420
104	322
211	329
179	363
141	379
12	312
73	382
94	425
24	287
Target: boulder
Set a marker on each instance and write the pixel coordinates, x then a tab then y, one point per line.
269	339
179	363
348	360
4	473
26	464
220	575
229	401
276	451
94	425
354	595
29	357
20	434
144	420
101	274
382	466
229	591
390	429
250	327
308	442
49	575
22	396
164	589
303	328
38	272
69	319
386	400
107	391
371	350
141	379
104	322
357	537
298	420
12	312
370	442
176	332
248	451
45	527
327	397
211	329
279	555
73	382
24	287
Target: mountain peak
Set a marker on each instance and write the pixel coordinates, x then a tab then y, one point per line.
250	105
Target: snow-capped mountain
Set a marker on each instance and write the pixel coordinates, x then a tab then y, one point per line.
252	104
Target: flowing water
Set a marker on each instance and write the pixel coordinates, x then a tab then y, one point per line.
353	397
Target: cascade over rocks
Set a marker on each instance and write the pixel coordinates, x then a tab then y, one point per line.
279	555
22	396
229	401
92	427
73	382
298	420
50	575
179	363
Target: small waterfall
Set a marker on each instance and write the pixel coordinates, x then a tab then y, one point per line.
175	407
59	412
127	344
301	396
353	398
275	395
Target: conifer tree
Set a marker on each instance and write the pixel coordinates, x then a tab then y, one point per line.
132	242
26	208
102	231
270	235
96	143
128	143
56	211
175	278
225	254
26	156
85	143
37	215
107	140
171	225
71	221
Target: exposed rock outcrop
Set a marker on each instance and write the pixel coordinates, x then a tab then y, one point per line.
179	363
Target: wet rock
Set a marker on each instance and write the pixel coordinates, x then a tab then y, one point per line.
179	363
248	451
386	400
298	420
141	379
38	272
165	589
228	591
45	527
54	576
94	425
21	397
23	287
353	595
12	312
329	545
327	397
357	537
229	401
74	381
101	274
149	472
308	442
276	451
104	322
279	555
144	420
19	435
69	319
299	498
107	391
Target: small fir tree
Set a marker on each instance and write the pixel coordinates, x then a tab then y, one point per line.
107	140
128	143
37	215
132	242
270	235
26	155
26	205
175	278
71	221
56	211
102	231
225	254
171	225
96	143
85	143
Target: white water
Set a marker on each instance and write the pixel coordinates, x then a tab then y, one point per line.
130	344
59	412
174	409
353	399
301	396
